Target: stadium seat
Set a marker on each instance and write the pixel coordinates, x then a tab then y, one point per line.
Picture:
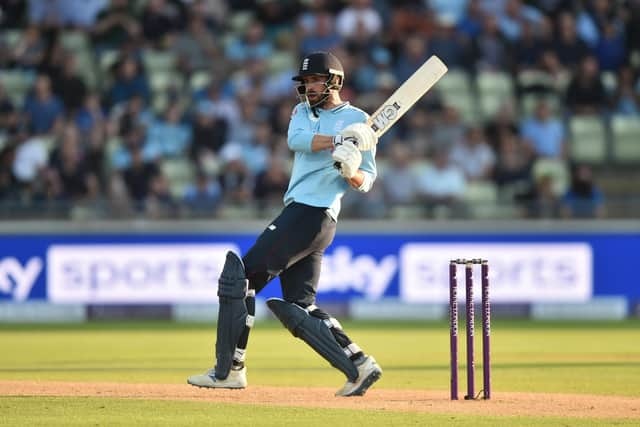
199	80
529	101
17	83
494	89
163	80
75	41
179	172
533	78
158	60
105	61
10	38
480	198
626	139
240	21
85	64
457	92
588	141
610	81
281	61
557	169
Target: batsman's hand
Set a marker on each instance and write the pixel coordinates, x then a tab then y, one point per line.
363	134
348	157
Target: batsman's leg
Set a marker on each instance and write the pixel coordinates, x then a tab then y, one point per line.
233	319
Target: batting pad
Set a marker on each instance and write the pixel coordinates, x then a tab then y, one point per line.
314	332
232	313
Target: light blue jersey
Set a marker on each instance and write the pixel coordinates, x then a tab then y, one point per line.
314	180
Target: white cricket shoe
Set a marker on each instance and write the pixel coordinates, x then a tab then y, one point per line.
368	373
236	379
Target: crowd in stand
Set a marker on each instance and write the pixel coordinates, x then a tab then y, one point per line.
180	108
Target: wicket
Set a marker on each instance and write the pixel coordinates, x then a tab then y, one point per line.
470	319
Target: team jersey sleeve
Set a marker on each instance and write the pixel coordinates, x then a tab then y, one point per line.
300	133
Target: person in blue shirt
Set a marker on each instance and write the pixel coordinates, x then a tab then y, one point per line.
334	150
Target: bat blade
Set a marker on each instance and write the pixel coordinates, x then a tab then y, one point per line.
406	95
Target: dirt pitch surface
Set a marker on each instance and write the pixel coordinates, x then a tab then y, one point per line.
501	404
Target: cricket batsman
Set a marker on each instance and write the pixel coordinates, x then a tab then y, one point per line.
324	130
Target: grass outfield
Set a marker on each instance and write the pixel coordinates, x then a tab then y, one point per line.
592	358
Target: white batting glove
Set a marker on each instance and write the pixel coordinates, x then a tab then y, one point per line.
349	158
363	134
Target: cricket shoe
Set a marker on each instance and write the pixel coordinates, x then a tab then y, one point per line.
368	373
235	379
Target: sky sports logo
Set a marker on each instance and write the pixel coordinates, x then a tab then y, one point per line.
135	273
518	272
17	279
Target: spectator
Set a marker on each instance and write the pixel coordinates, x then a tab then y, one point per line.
513	18
138	177
129	81
449	45
490	47
160	203
513	161
31	156
322	37
399	178
158	20
452	11
591	19
116	26
83	13
568	47
67	162
132	141
625	100
43	109
168	137
473	155
540	201
69	86
90	114
414	53
470	24
359	19
30	50
583	199
271	183
209	135
234	178
196	47
253	45
448	130
503	123
9	117
212	103
526	52
203	197
611	50
441	183
13	14
257	152
586	93
545	133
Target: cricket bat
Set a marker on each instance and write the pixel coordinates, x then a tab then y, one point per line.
405	96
